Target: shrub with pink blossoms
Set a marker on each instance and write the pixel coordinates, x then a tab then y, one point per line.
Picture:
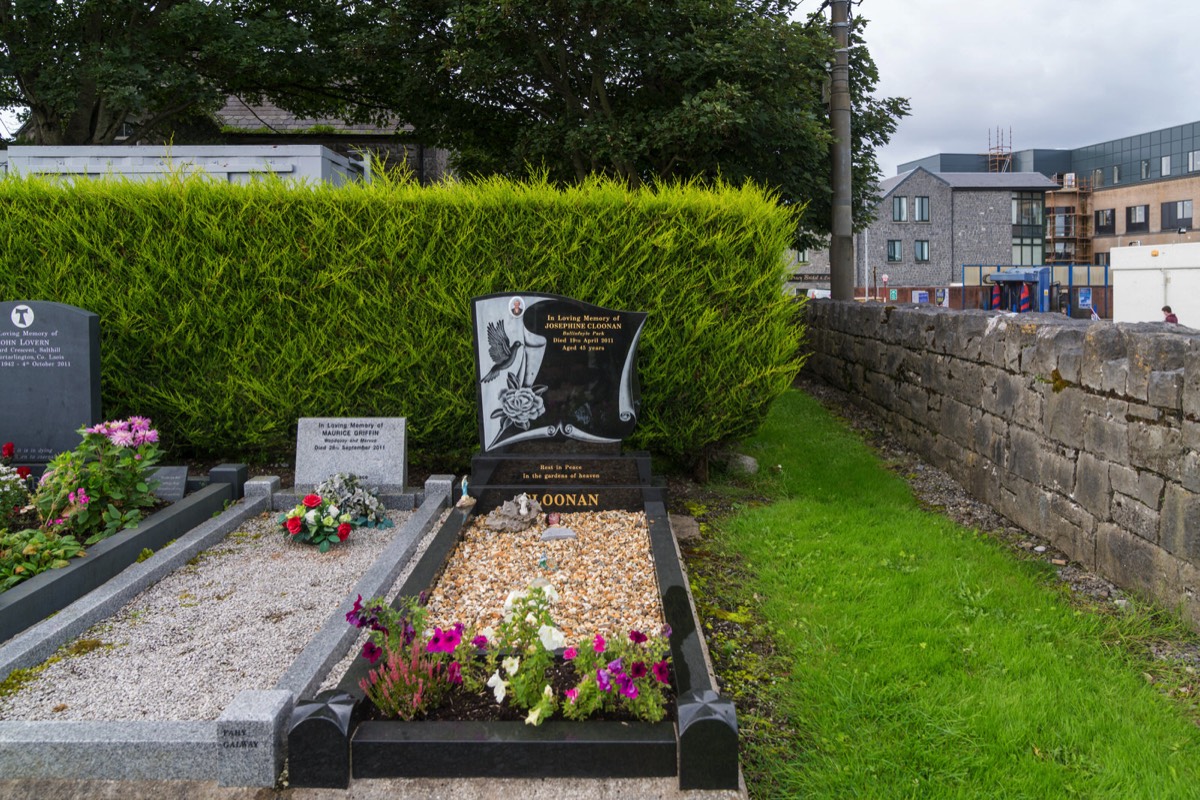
102	486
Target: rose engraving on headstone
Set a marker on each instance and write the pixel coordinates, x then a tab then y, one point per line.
550	368
49	377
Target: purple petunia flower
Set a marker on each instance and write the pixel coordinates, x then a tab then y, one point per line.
614	666
637	637
602	680
352	616
666	631
371	652
480	641
629	689
661	672
435	642
637	670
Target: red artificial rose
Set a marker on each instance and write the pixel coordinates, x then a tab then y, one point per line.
23	472
294	524
312	500
343	531
7	450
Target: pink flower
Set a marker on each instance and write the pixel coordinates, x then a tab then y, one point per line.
661	673
480	642
311	500
570	653
637	670
454	673
121	438
637	637
598	644
139	423
371	652
572	694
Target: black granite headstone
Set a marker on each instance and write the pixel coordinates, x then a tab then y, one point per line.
553	369
172	483
49	377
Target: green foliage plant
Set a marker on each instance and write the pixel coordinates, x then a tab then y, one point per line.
230	311
363	505
30	552
102	486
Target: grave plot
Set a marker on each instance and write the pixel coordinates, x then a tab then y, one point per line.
193	619
558	393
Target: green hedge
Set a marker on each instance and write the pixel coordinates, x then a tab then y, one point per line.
229	311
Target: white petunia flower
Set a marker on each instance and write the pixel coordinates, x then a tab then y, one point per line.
499	686
552	638
511	665
535	716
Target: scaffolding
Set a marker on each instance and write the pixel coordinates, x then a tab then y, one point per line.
1069	221
999	155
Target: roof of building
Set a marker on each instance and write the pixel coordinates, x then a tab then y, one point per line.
997	180
1005	181
238	114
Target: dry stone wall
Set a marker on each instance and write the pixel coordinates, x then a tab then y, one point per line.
1083	432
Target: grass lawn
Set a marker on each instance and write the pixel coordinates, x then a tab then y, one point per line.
878	650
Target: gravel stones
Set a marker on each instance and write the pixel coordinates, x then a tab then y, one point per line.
234	618
604	577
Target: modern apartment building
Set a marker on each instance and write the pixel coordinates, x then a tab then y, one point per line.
1039	206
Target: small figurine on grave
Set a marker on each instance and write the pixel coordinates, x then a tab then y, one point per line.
515	515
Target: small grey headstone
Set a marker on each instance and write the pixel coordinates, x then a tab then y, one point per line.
373	448
556	532
172	483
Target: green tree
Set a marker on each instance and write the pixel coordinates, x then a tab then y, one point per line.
639	89
87	71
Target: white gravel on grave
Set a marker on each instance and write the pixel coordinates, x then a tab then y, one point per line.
234	618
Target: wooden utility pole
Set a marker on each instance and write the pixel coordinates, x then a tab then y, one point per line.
841	242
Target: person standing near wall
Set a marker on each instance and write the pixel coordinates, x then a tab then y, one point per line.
1169	315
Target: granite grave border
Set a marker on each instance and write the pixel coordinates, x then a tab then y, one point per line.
329	742
246	745
33	600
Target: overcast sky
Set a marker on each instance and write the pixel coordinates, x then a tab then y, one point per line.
1059	74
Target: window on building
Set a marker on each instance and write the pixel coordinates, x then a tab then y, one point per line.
921	250
1137	219
899	209
1106	221
1060	221
1027	230
1116	174
1097	178
1027	209
1027	251
1194	161
895	253
1100	259
1165	167
922	210
1177	215
1145	168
